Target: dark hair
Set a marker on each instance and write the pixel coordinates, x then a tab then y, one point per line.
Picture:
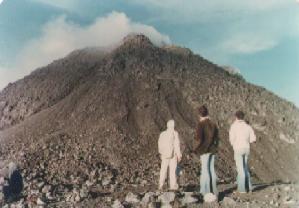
203	111
240	115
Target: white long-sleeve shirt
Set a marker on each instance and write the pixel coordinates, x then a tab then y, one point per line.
169	144
240	136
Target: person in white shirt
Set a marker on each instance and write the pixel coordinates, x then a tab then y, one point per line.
241	135
169	149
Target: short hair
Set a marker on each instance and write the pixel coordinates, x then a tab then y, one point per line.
240	115
203	111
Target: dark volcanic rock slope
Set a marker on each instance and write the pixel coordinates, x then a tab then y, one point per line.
93	108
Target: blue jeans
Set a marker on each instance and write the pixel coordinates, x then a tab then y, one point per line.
208	176
243	178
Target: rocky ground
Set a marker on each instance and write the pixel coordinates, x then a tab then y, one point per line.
105	190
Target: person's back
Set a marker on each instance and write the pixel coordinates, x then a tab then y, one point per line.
206	137
167	142
241	135
205	145
169	149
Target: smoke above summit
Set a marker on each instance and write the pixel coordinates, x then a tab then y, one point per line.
60	36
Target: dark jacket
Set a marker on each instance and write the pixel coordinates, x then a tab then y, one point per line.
16	182
14	188
206	138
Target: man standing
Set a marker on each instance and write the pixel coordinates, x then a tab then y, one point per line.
205	145
169	149
240	136
15	185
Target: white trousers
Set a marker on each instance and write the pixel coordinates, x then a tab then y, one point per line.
171	164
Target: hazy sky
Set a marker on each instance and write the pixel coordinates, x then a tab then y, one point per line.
260	38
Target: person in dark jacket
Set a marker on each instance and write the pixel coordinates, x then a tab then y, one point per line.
15	184
205	146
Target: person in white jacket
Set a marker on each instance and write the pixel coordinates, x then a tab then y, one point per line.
169	149
241	135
